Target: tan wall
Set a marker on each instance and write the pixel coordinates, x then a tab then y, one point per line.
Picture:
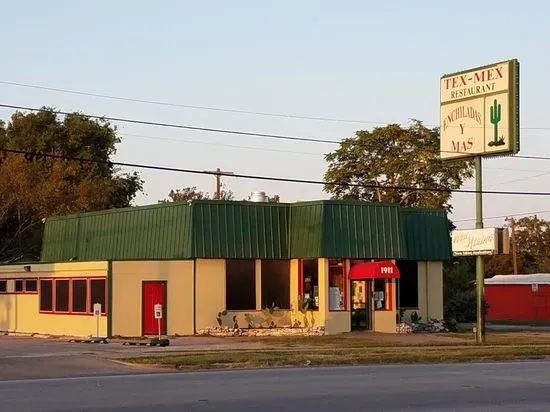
210	291
20	312
385	321
337	322
430	291
127	295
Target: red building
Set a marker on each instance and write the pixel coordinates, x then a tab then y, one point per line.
518	297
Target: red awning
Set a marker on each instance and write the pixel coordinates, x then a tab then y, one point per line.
374	270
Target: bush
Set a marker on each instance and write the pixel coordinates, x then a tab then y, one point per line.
461	308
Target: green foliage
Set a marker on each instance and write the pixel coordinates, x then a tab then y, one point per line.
220	316
303	308
407	158
269	312
248	320
458	276
187	194
462	308
415	318
35	187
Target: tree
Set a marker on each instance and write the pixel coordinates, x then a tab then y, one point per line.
365	166
187	194
34	187
191	193
533	249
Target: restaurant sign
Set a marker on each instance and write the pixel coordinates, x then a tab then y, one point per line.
479	111
479	242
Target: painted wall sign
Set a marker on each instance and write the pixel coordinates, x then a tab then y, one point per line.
479	111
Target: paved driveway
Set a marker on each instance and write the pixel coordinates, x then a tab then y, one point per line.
34	358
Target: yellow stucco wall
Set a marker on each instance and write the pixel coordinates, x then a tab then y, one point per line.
210	291
385	321
430	291
127	295
20	312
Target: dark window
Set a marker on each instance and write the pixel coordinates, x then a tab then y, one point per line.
380	298
19	286
97	294
3	286
240	284
31	285
276	283
407	291
46	295
336	284
61	295
310	282
80	294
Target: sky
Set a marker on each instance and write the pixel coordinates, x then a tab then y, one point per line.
363	63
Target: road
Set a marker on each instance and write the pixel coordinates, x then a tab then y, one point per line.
465	387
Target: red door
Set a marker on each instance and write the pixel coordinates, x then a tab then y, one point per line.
154	293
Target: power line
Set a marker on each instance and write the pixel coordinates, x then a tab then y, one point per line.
36	154
217	109
215	130
188	106
504	216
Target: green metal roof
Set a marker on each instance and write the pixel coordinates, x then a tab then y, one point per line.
427	234
225	229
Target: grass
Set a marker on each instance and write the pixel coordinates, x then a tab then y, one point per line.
316	357
361	341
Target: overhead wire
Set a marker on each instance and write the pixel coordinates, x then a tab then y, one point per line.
36	154
213	130
211	108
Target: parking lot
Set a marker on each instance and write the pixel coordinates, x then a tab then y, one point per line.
35	358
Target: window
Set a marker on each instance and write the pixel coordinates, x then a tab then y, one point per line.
25	286
407	289
3	286
31	285
240	284
382	294
336	281
61	295
98	293
276	283
80	295
71	295
310	282
46	295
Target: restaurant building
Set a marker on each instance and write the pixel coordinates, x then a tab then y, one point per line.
355	265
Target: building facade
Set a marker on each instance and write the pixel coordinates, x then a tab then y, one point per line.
327	263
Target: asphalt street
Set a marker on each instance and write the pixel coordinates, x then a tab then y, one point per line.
464	387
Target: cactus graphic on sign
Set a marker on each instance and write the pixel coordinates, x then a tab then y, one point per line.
496	112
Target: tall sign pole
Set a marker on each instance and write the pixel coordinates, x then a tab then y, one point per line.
480	264
479	117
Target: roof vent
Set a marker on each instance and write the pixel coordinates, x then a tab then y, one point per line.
258	197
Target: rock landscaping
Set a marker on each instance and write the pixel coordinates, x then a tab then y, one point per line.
281	331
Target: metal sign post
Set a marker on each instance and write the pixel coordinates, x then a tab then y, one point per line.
479	117
158	316
97	314
480	264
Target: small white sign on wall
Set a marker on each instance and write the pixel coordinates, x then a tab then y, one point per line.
158	311
97	309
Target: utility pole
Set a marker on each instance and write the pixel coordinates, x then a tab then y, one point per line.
514	245
219	173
